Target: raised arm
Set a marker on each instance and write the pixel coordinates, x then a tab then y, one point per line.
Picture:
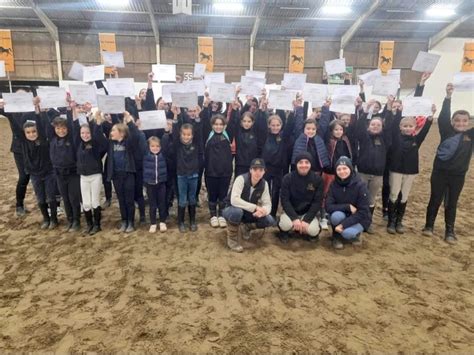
421	86
420	137
444	119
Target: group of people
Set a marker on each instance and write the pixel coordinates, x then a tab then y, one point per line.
323	168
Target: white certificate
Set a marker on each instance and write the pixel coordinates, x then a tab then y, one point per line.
464	81
281	99
83	93
417	106
251	85
184	99
425	62
52	97
199	70
315	93
194	85
113	59
18	102
342	104
2	69
370	77
93	73
335	66
396	73
345	90
167	89
155	119
122	86
255	74
164	72
386	85
222	92
214	78
76	71
294	81
111	103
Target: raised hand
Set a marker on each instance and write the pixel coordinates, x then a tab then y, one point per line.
449	90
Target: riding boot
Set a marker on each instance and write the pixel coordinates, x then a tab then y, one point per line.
400	229
391	218
97	217
44	212
88	215
192	218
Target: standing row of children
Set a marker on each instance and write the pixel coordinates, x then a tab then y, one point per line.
66	148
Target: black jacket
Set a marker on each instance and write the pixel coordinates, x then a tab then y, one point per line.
340	198
302	195
89	154
218	156
131	143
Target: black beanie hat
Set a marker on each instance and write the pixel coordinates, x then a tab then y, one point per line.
303	155
345	161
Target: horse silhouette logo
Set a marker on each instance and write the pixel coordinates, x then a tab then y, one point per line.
468	61
6	50
208	57
296	59
384	59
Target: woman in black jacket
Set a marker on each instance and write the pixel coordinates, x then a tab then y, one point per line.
348	205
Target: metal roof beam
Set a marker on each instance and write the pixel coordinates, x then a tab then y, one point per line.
346	37
50	26
435	39
154	25
256	24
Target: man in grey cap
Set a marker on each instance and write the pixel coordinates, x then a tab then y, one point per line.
250	205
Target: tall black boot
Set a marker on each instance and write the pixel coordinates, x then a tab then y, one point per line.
44	212
429	225
192	218
88	215
400	229
391	217
370	230
181	225
53	207
450	236
97	216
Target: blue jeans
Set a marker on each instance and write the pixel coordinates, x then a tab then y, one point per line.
187	187
235	215
350	232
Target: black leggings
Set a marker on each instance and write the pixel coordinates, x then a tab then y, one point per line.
23	179
444	184
139	199
274	184
70	189
157	199
124	185
217	188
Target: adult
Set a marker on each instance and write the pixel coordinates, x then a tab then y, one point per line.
250	205
301	199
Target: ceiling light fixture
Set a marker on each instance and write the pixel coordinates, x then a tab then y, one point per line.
336	10
440	11
228	6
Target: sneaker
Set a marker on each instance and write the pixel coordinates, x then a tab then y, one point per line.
357	241
163	227
182	228
44	224
312	239
130	228
53	224
427	232
324	224
123	227
152	228
237	249
370	230
245	231
337	244
214	222
450	239
222	222
20	211
60	211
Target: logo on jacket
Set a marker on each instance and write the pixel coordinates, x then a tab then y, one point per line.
310	187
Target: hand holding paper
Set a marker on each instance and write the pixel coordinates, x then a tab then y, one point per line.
335	66
417	106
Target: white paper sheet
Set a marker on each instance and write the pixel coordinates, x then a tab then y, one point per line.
52	97
251	85
255	74
168	88
386	85
83	93
463	81
76	71
293	81
3	73
93	73
214	78
113	59
281	99
121	86
345	90
425	62
18	102
164	72
222	92
335	66
396	73
111	103
194	85
370	77
342	104
417	106
184	99
199	70
155	119
315	93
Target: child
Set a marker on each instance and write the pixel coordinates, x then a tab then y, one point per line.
92	144
403	166
450	166
218	169
188	157
348	205
154	178
37	162
121	169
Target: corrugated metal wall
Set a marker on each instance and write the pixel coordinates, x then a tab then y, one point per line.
35	56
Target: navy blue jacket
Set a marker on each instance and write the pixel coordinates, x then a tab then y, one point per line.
63	150
131	142
340	198
301	145
154	168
